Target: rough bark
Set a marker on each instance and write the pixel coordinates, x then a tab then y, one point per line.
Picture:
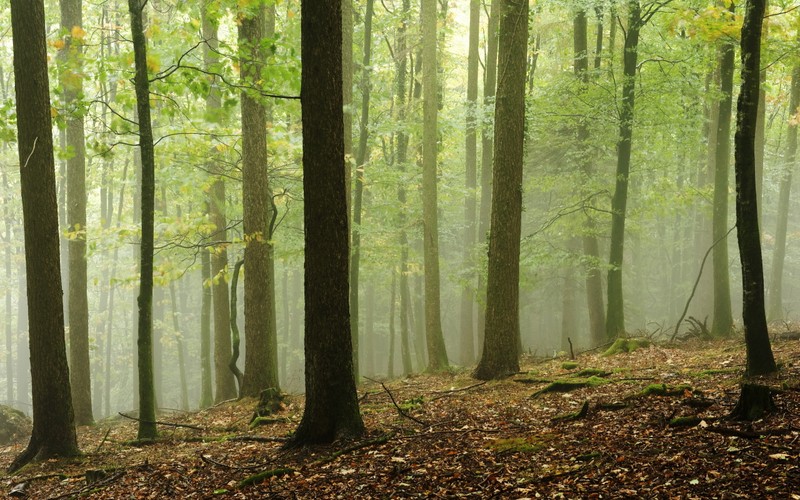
759	352
261	346
53	419
437	353
500	355
331	409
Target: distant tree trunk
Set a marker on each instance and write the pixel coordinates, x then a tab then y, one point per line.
261	344
591	248
569	322
615	317
224	383
761	127
487	151
467	340
392	304
362	156
53	418
776	311
368	346
8	291
723	317
347	96
70	56
147	398
331	409
206	395
500	355
437	353
759	353
176	327
401	63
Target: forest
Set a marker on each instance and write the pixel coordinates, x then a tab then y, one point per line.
411	248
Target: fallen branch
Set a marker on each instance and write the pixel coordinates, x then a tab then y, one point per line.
168	424
357	446
260	439
211	461
453	391
103	441
394	402
91	486
575	415
257	478
454	431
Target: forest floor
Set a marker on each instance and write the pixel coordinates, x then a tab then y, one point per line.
450	436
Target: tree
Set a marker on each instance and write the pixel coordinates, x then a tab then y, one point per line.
53	419
147	397
437	353
500	356
331	409
615	317
261	345
206	393
723	317
775	294
759	353
71	78
470	202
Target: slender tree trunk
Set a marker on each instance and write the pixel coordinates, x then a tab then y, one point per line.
362	156
759	352
261	349
615	317
470	201
761	127
723	317
331	409
776	311
206	396
8	291
437	353
392	306
500	355
53	418
147	400
176	327
368	346
347	97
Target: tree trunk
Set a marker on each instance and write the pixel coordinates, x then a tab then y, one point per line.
437	353
70	57
53	418
147	399
615	317
362	156
723	317
470	202
500	356
390	371
759	352
206	395
776	311
754	402
261	345
331	409
9	250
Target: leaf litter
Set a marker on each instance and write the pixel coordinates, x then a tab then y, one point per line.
449	436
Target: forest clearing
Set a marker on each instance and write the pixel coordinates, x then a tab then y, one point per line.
448	436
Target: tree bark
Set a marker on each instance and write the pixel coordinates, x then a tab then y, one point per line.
331	409
261	345
759	352
206	393
53	418
437	353
500	355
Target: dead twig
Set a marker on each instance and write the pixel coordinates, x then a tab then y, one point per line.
394	402
357	446
211	461
91	486
453	391
168	424
103	441
260	439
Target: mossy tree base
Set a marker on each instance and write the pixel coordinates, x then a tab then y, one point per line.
626	345
755	401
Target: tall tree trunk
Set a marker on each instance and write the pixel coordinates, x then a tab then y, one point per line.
723	317
615	317
470	201
261	344
176	327
147	398
362	156
70	57
206	395
591	248
759	352
347	96
331	409
775	291
392	306
487	150
224	383
53	418
761	124
9	332
500	356
437	353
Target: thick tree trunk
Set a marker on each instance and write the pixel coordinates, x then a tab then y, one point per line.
723	317
261	349
500	355
147	397
759	352
331	409
615	317
53	419
437	353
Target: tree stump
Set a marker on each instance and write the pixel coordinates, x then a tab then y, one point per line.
270	402
755	401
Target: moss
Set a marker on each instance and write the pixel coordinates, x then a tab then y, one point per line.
626	345
261	476
665	390
717	371
569	365
593	372
526	444
684	421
